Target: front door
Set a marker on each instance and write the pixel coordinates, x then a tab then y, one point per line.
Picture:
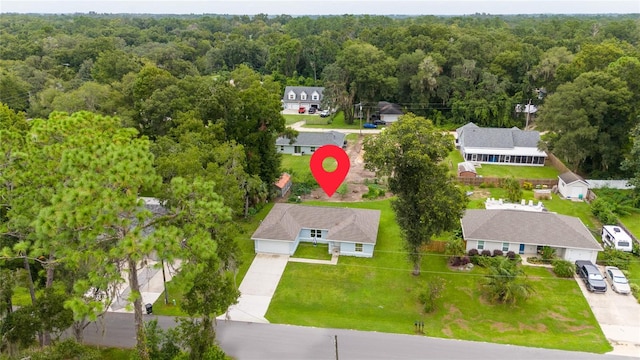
521	250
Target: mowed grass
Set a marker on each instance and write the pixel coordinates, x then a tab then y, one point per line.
380	294
309	251
336	121
504	171
299	166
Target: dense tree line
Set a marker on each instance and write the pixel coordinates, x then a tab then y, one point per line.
148	69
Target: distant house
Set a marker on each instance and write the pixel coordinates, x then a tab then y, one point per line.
499	146
283	185
308	142
352	232
467	169
296	96
572	186
526	232
387	112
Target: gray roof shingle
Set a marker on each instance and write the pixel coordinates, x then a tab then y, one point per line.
470	135
571	177
285	221
315	139
300	89
525	227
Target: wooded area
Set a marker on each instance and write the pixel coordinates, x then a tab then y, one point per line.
98	110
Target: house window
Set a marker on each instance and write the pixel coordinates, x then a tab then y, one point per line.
303	96
313	149
316	233
505	247
297	149
292	96
315	96
281	147
481	245
358	247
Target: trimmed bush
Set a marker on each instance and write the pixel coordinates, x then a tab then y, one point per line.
464	260
511	255
563	268
473	252
486	252
498	252
488	261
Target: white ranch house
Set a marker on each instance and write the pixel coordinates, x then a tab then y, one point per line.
572	186
306	143
297	96
499	146
352	232
526	232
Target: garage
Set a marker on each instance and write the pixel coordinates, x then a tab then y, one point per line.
273	247
580	254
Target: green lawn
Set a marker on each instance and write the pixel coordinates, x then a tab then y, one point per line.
309	251
519	172
380	294
336	122
299	166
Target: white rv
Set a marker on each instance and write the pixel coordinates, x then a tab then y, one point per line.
616	237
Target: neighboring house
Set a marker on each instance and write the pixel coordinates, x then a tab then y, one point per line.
297	96
308	142
572	186
283	185
526	232
387	112
499	146
347	231
467	169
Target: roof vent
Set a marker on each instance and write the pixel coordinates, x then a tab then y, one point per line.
617	229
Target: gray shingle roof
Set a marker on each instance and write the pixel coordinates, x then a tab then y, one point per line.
300	89
570	177
315	139
525	227
385	107
285	221
470	135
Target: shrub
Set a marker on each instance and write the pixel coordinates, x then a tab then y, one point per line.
527	185
431	293
563	268
498	252
547	254
617	258
511	255
488	261
464	260
635	290
486	252
374	192
603	210
473	252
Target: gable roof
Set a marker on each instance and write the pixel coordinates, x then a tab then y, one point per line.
282	182
466	166
385	107
314	139
571	177
525	227
302	89
285	221
473	136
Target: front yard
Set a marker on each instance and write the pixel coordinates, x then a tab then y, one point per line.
380	294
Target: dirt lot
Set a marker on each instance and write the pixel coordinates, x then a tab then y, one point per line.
355	178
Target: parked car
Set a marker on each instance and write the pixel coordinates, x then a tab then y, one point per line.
379	122
617	280
312	110
369	126
325	113
591	276
302	110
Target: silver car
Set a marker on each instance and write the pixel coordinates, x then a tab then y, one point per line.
617	280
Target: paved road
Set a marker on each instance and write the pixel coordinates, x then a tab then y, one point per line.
298	126
270	341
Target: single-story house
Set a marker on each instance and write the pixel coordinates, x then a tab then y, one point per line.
467	169
499	145
387	112
526	232
352	232
308	142
296	96
283	185
571	185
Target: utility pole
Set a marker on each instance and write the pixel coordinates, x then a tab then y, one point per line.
528	114
335	340
360	119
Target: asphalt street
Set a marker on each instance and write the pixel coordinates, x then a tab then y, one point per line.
243	340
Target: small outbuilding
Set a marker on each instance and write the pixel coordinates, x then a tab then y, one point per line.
283	185
572	186
467	169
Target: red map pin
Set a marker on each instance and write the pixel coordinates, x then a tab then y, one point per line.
329	181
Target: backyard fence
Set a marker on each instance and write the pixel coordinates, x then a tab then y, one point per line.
497	182
436	246
556	163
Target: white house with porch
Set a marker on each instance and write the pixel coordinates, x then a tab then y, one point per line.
526	232
352	232
297	96
306	143
499	145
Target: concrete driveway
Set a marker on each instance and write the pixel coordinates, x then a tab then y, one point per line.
618	316
257	289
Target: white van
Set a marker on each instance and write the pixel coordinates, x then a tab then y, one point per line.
617	238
